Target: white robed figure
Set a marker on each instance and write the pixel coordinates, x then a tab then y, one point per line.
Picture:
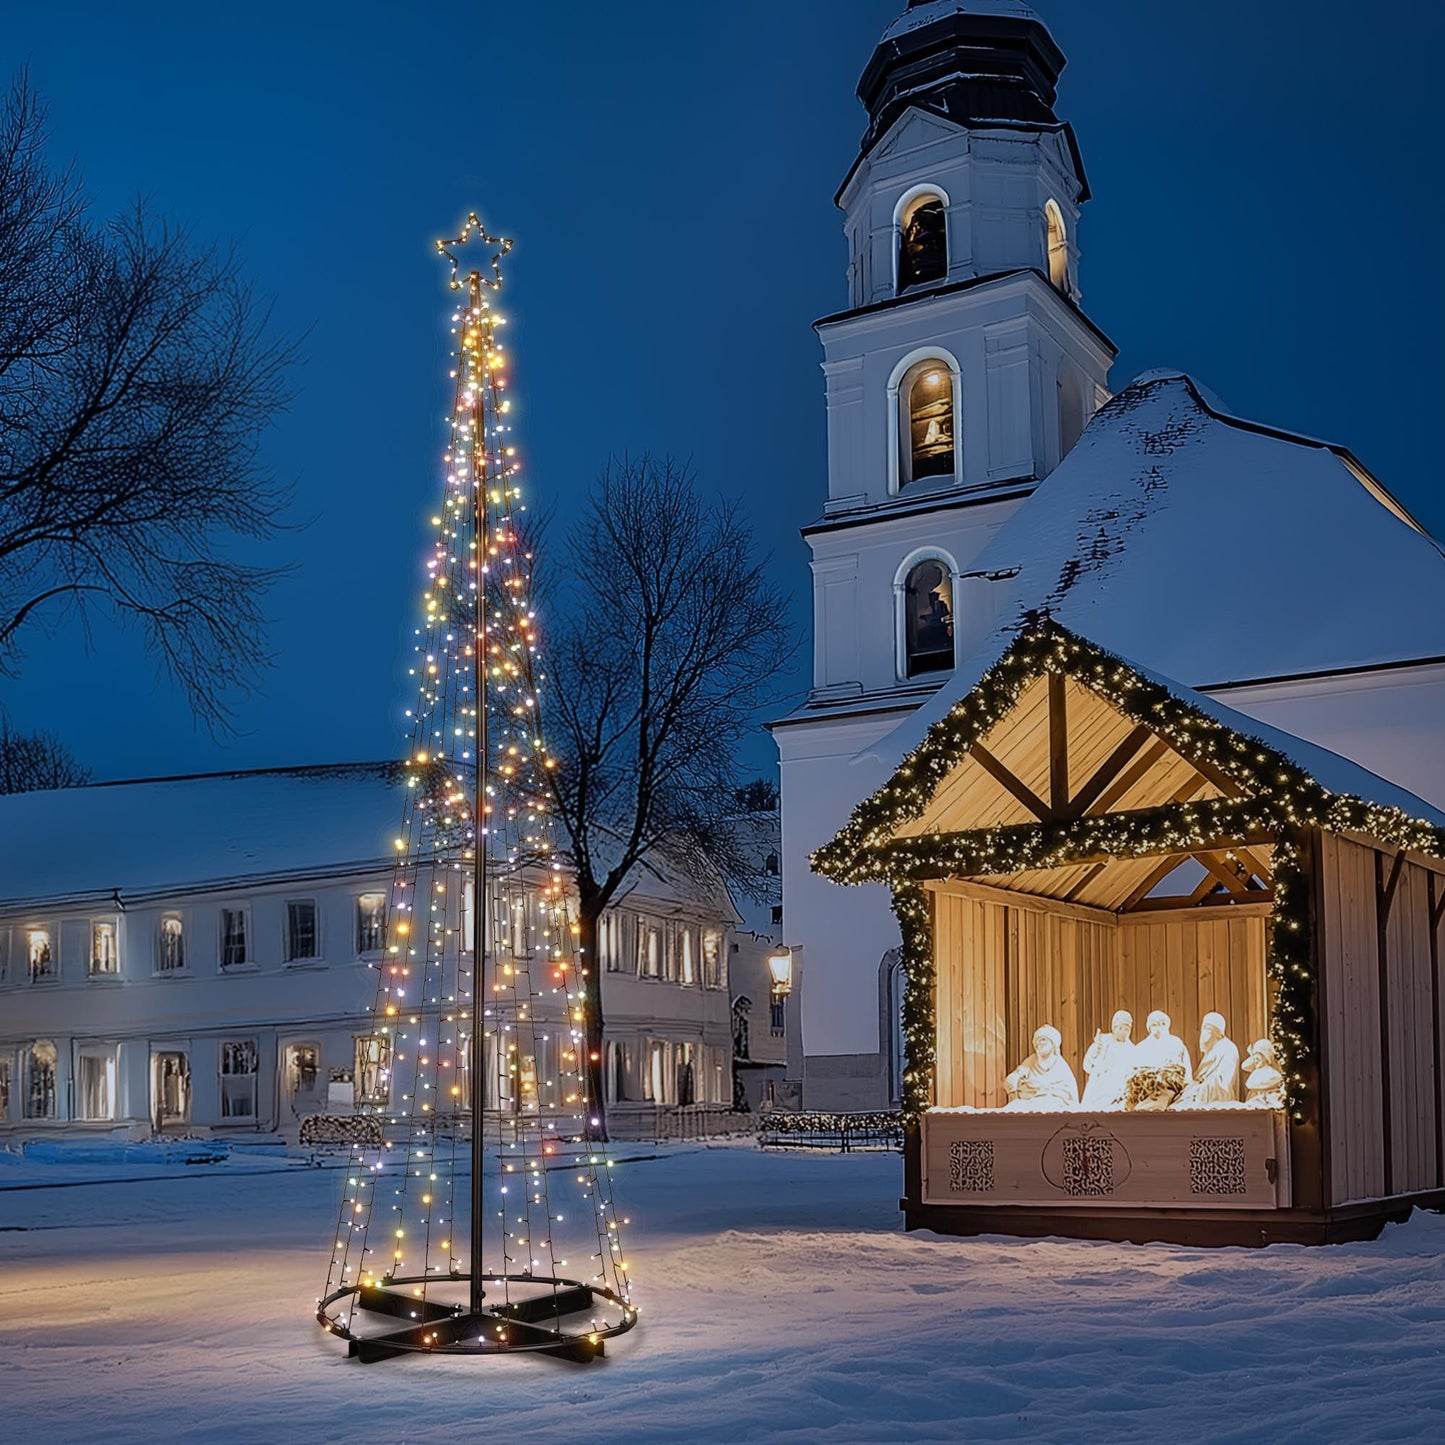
1109	1062
1162	1048
1217	1079
1043	1082
1264	1079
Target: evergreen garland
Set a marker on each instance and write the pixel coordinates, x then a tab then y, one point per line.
1281	803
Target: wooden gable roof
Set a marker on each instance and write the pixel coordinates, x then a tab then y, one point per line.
1064	758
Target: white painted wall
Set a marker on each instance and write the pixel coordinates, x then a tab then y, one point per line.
1392	722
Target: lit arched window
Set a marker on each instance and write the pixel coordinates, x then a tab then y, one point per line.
927	399
1058	246
922	243
928	618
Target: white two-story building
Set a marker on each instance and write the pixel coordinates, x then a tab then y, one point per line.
201	955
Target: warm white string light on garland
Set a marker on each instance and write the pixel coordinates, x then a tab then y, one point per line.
1280	801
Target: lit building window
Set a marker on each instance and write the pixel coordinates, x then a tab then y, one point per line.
1057	241
371	922
927	400
238	1079
688	949
649	949
235	948
610	942
301	930
41	1065
171	1088
922	243
712	971
928	618
95	1086
172	956
373	1069
40	954
104	948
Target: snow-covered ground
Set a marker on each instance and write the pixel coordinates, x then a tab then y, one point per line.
780	1301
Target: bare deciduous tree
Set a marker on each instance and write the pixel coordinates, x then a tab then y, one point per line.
31	762
137	372
668	641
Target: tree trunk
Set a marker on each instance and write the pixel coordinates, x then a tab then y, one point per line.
593	1023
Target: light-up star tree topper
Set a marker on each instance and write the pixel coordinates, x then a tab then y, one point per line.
478	1215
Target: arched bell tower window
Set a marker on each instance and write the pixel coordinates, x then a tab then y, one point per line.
927	398
927	606
921	223
1057	239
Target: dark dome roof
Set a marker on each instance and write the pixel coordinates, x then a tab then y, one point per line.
972	61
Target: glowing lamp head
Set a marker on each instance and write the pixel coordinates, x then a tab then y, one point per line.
780	967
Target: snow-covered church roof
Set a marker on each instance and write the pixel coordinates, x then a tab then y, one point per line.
1215	550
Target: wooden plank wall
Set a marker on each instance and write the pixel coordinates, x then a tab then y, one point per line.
1352	1020
992	957
969	959
1060	973
1382	1023
1190	967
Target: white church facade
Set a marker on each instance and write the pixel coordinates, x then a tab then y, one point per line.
982	475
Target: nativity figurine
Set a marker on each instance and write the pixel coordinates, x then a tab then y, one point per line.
1161	1049
1043	1082
1263	1077
1216	1081
1109	1062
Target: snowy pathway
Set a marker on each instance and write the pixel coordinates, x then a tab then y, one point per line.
780	1302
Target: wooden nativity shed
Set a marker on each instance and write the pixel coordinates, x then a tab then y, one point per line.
1077	837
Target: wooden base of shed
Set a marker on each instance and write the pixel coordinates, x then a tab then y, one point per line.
1249	1228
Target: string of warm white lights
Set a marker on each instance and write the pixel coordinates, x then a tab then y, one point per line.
1279	800
481	969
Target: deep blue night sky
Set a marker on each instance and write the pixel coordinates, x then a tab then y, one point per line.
1264	216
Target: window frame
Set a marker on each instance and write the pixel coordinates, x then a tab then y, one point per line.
289	957
900	430
1056	250
911	200
714	971
96	924
910	564
161	970
51	934
223	1073
105	1056
27	1087
375	1098
247	960
363	948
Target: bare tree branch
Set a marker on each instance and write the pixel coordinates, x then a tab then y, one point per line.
30	762
137	373
669	644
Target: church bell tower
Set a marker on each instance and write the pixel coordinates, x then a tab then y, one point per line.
960	374
964	368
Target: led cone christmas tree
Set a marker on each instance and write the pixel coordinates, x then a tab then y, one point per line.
477	1216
